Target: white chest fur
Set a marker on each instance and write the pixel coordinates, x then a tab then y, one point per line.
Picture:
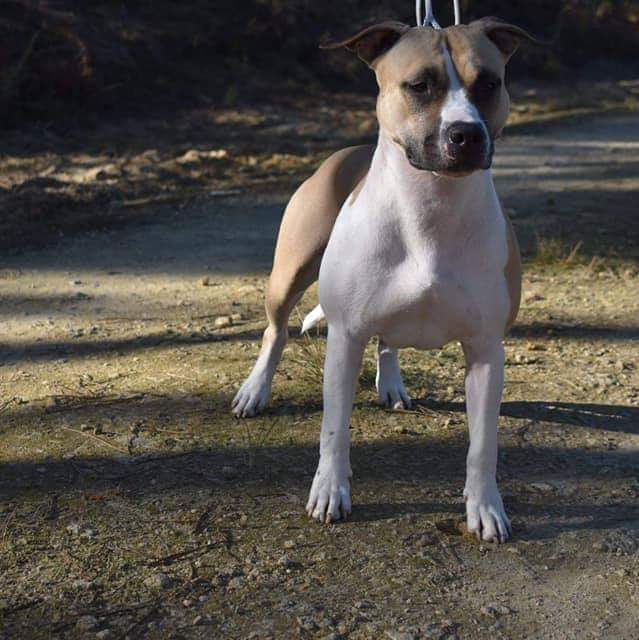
417	258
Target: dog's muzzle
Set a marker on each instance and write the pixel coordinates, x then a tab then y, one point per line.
466	147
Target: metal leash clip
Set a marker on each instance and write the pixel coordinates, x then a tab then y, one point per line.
429	19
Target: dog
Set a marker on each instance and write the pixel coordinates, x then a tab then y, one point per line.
410	244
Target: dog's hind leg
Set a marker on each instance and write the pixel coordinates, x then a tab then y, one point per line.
303	236
390	386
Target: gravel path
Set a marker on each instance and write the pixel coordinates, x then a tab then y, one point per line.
132	504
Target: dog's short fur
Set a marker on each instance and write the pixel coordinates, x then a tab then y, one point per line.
419	255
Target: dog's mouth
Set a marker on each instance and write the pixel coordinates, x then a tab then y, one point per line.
435	160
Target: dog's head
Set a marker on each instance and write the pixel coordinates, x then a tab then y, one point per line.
442	97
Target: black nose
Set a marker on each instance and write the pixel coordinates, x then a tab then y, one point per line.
465	135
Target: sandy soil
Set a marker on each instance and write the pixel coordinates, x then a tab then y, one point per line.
133	505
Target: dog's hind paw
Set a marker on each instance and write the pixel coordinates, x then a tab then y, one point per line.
391	393
330	497
485	514
251	398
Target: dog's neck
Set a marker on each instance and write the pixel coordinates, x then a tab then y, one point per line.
425	193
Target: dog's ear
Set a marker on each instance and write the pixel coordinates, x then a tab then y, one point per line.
506	37
372	42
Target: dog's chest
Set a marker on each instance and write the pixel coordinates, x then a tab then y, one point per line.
416	286
427	304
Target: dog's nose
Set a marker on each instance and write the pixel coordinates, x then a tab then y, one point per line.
465	136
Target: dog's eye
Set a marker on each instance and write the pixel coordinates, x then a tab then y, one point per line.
491	84
422	87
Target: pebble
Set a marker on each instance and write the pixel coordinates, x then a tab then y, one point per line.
86	623
205	281
105	634
285	562
544	487
307	623
158	581
82	584
289	544
222	321
495	610
237	583
400	635
237	317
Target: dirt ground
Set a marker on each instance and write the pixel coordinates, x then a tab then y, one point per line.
133	505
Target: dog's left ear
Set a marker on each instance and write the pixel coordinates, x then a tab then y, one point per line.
506	37
373	42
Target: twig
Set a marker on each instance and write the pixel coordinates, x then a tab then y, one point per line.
181	555
90	435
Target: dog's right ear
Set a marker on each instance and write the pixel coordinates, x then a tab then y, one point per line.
373	42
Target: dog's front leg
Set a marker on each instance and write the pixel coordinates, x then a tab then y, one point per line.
330	497
485	513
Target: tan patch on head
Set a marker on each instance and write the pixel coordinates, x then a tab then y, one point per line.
476	57
418	54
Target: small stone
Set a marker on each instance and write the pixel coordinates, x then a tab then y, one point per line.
494	610
86	623
158	581
543	487
237	317
82	584
285	562
289	544
307	623
205	281
105	634
222	321
199	620
400	635
237	583
243	520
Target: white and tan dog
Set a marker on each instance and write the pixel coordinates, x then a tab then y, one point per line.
419	255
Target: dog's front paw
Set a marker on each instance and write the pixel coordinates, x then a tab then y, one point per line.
485	514
252	397
330	497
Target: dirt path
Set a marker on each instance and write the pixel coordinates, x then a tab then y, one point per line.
132	504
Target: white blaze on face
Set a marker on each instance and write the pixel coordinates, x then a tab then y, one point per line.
457	106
